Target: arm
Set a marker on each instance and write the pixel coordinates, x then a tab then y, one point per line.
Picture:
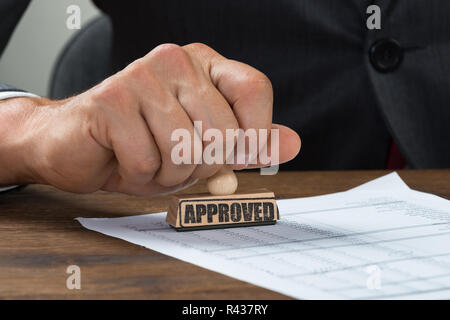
117	136
14	105
7	92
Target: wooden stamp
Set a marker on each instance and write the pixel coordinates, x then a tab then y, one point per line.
221	210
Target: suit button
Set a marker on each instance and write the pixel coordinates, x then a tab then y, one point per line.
386	55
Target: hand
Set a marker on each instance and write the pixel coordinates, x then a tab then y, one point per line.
117	135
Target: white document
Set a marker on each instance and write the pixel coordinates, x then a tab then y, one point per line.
379	241
388	182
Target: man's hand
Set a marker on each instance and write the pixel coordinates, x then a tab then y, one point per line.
117	135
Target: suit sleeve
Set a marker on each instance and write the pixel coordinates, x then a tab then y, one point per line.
10	13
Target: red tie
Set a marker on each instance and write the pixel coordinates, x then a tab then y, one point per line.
395	158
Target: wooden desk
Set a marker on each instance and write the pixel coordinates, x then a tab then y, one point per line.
39	239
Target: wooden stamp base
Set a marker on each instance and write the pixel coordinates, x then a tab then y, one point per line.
205	211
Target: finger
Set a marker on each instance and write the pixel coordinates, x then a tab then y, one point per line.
171	127
247	90
152	188
181	72
160	111
206	106
137	154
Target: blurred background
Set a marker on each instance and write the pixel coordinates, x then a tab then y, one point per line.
40	36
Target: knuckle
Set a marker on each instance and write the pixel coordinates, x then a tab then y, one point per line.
108	92
171	53
137	69
198	47
169	109
176	62
145	167
112	96
183	173
166	47
258	82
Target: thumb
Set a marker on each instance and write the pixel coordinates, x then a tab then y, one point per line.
288	147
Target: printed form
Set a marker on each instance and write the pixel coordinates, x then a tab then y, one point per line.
381	240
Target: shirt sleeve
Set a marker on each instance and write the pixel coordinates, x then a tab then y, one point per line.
7	92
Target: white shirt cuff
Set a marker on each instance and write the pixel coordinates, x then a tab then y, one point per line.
3	189
14	94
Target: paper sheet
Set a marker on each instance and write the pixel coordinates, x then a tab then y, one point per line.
381	240
388	182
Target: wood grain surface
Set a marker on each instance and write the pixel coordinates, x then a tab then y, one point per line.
40	239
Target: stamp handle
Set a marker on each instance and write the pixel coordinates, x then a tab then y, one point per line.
224	182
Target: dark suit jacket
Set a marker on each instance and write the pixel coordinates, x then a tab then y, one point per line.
10	13
316	52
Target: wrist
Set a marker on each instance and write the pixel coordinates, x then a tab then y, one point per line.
18	139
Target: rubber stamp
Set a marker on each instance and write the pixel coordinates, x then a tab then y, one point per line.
222	207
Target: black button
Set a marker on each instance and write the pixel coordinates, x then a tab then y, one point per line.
386	55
